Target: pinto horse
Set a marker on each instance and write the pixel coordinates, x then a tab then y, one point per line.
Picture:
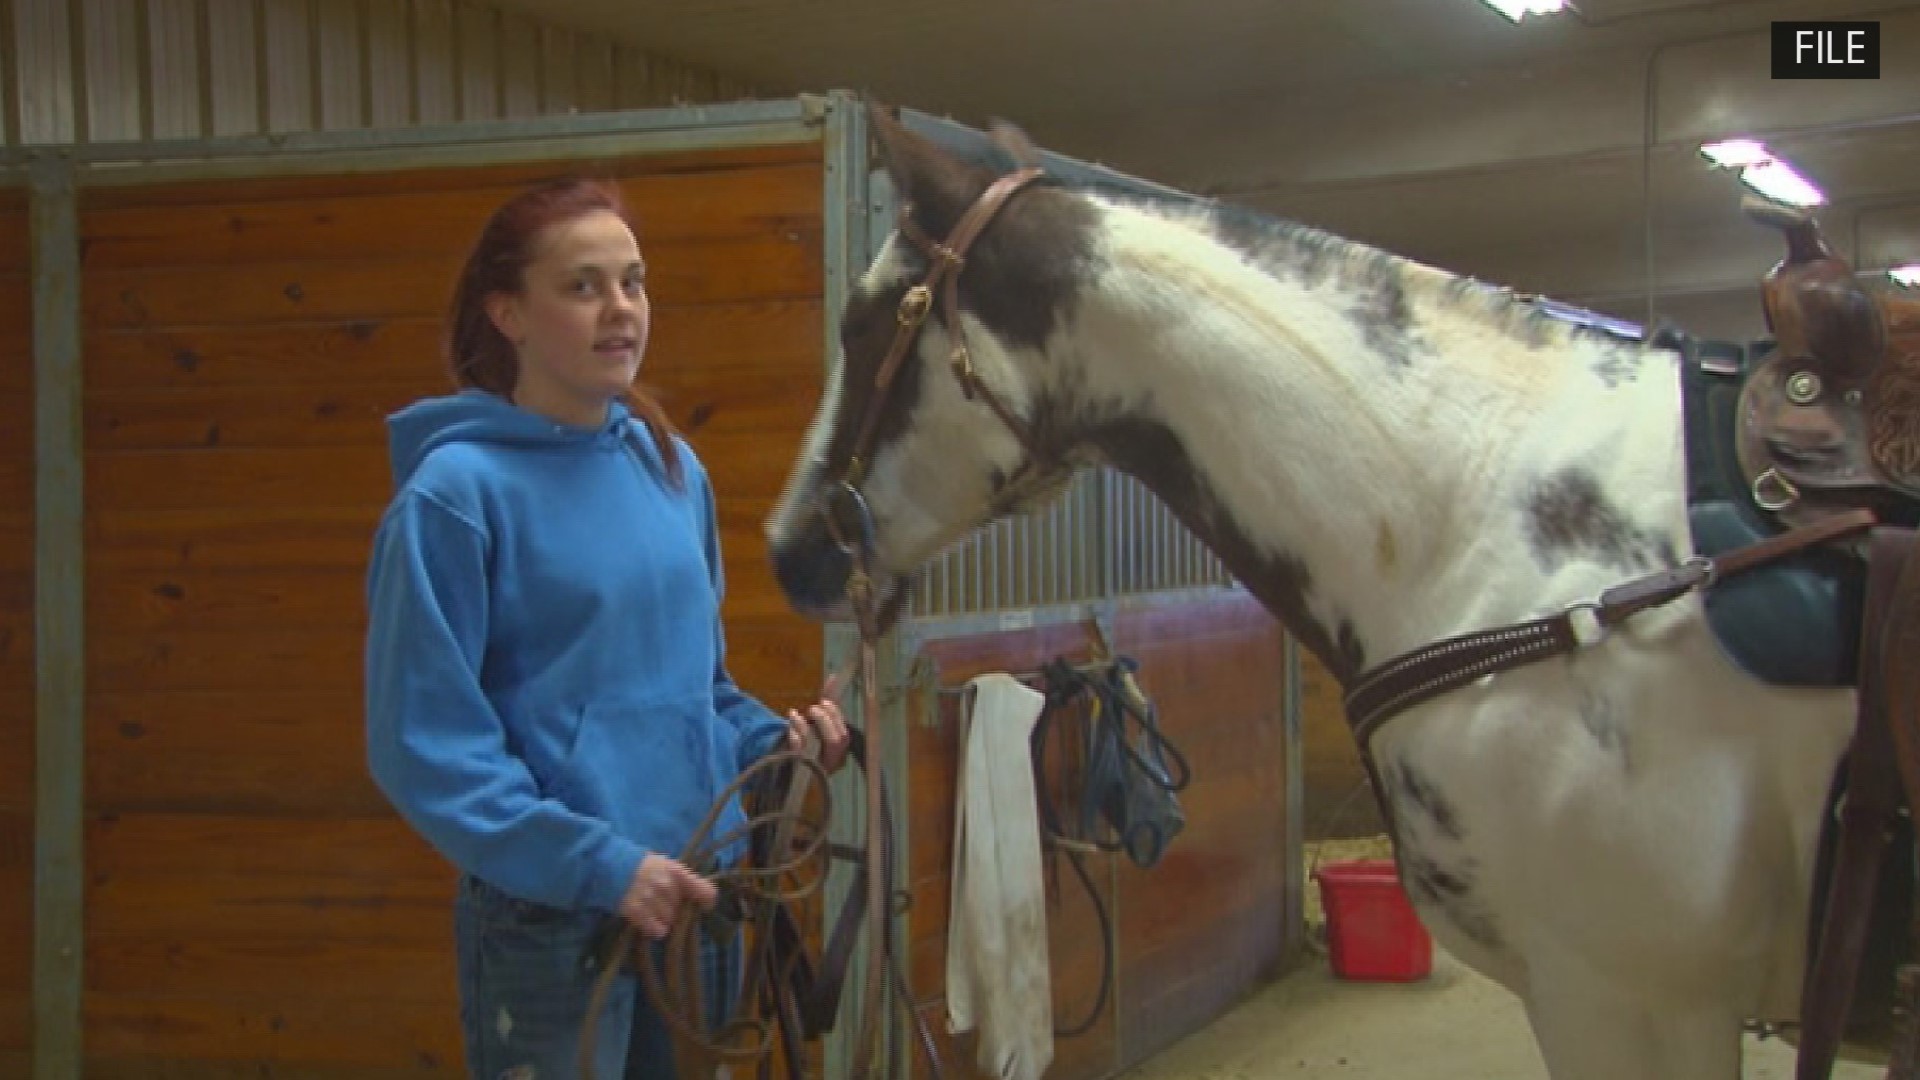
1385	455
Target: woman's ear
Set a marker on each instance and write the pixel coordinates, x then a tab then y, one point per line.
504	310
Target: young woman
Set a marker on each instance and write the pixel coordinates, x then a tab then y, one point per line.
547	697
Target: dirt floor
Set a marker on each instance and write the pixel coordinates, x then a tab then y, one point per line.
1454	1025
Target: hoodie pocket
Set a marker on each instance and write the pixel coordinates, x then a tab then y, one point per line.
643	768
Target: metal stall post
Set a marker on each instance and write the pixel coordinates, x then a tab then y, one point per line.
59	621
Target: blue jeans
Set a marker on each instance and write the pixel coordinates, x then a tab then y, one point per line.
527	973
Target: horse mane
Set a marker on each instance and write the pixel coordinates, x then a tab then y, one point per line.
1288	249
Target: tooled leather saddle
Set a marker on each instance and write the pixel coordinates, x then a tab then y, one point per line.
1828	421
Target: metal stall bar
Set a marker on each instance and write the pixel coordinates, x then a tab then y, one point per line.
346	153
59	617
854	214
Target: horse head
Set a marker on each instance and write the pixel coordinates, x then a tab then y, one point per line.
941	412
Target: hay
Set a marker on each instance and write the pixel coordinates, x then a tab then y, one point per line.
1318	853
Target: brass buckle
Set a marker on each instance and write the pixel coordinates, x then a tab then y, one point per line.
915	305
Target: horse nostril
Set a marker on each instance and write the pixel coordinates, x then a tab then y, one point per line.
812	571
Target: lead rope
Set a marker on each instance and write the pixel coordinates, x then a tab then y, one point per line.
678	994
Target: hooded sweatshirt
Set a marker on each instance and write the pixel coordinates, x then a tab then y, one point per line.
547	698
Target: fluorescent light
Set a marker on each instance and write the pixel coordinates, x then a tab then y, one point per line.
1735	153
1778	181
1908	275
1520	9
1763	172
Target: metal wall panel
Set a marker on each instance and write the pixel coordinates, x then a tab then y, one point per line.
136	70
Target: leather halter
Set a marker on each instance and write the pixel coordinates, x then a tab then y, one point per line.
945	262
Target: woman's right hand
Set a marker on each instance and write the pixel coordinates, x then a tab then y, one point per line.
658	889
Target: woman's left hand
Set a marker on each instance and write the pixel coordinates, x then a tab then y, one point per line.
824	718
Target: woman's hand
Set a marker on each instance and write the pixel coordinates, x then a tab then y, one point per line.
659	887
824	720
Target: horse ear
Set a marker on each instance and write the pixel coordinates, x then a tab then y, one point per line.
938	185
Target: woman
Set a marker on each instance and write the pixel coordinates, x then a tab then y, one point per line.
547	698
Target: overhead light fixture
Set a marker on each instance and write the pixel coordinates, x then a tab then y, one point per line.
1778	181
1520	9
1765	173
1735	153
1908	275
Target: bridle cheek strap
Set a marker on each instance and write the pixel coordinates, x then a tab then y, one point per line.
945	261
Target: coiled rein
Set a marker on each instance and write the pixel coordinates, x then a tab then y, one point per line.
788	850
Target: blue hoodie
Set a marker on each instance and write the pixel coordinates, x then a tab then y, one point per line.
547	698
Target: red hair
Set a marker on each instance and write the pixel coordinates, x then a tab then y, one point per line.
479	354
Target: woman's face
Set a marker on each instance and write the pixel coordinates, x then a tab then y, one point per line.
579	323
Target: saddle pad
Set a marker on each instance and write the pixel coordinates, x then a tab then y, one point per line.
1794	622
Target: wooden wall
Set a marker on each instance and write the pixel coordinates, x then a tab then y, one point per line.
253	906
1202	927
1337	802
16	634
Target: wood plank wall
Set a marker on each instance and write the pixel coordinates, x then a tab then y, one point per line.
16	634
253	906
1203	926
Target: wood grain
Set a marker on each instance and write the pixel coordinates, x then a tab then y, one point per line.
771	338
356	288
253	905
665	208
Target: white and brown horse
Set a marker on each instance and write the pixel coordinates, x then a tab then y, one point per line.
1386	455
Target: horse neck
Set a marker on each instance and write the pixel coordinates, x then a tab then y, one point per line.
1384	463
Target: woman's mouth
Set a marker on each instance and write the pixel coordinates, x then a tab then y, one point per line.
620	347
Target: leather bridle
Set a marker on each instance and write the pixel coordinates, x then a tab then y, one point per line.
843	507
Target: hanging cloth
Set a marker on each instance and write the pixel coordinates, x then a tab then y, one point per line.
997	977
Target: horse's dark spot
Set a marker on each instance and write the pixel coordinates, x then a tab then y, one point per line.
1019	279
1421	794
1449	888
294	292
1347	640
1597	716
170	590
1386	321
213	435
132	729
186	360
327	409
1618	366
1568	514
363	330
1147	450
1308	255
699	416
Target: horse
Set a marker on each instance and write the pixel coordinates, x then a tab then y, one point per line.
1385	455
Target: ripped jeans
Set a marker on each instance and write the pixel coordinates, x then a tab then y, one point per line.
527	973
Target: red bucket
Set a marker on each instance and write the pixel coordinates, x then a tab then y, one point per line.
1372	932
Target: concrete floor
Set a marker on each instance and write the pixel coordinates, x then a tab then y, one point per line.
1455	1025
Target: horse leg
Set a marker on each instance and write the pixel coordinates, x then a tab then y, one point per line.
1592	1028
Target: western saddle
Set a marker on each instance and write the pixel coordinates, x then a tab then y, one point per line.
1828	422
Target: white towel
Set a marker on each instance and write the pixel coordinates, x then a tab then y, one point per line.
997	978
